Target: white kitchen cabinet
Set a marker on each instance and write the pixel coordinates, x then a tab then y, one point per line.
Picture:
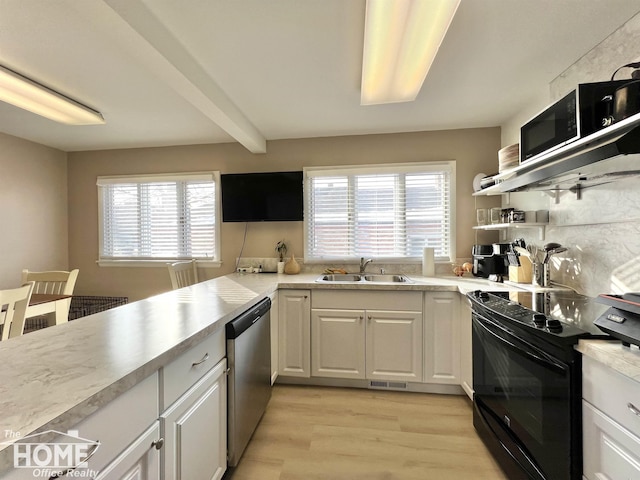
372	335
136	411
338	343
140	461
466	352
611	423
274	336
294	333
185	370
610	451
441	338
195	430
394	345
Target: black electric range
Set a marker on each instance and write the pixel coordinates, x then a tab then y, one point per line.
527	379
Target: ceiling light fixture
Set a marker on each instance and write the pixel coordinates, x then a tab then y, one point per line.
24	93
401	39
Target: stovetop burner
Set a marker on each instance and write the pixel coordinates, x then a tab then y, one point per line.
559	315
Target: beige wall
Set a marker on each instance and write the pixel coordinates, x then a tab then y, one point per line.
33	209
475	150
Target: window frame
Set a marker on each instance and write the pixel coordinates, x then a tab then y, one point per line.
372	169
214	262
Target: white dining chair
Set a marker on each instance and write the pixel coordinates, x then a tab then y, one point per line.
183	274
53	282
14	303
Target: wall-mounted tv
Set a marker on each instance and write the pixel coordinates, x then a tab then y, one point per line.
262	197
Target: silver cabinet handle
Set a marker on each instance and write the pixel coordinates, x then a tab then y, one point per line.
633	409
201	361
158	444
64	473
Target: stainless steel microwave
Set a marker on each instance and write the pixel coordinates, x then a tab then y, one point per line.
578	114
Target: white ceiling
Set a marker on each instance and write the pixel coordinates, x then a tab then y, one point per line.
176	72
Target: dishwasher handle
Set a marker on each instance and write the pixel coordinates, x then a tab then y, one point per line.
241	323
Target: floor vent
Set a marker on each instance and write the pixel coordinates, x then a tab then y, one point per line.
387	385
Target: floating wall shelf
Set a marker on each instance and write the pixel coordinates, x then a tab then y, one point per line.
541	227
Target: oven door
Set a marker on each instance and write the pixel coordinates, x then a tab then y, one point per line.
522	404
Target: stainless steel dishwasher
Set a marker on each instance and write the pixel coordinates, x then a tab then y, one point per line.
249	385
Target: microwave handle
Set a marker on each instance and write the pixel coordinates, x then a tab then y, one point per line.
608	118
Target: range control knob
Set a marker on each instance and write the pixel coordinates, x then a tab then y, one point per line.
554	325
539	320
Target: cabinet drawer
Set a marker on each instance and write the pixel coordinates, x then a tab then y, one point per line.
613	393
188	368
372	299
610	450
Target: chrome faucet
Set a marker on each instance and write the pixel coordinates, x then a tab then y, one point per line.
364	263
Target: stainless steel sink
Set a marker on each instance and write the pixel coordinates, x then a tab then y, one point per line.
340	277
355	278
386	279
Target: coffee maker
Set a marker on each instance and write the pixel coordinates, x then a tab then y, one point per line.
490	261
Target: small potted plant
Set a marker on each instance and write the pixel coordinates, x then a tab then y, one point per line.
281	248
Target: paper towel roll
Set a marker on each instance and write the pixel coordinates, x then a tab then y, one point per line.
428	264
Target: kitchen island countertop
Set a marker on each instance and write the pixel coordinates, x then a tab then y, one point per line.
55	377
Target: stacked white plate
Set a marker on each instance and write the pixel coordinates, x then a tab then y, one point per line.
508	157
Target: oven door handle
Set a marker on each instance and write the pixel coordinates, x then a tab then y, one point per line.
525	347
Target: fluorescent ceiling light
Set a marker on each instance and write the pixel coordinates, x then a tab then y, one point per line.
29	95
401	39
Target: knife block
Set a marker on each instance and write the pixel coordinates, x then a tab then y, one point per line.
523	273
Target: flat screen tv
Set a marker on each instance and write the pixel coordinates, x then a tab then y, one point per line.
262	197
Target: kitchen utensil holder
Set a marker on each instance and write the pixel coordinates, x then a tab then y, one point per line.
540	275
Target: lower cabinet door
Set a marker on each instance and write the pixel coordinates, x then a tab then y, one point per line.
337	348
610	451
195	430
140	461
466	356
442	338
294	333
394	345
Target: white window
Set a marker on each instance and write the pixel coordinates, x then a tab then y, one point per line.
380	211
159	218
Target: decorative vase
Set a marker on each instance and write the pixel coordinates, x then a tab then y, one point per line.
292	267
280	267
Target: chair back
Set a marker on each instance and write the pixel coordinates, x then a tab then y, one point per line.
183	274
52	282
14	305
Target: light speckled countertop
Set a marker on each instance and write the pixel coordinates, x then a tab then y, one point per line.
54	377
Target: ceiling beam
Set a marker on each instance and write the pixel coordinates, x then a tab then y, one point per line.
187	77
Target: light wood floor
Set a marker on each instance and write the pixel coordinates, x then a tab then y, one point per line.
310	433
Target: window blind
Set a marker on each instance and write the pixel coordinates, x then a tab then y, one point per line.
389	211
161	217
